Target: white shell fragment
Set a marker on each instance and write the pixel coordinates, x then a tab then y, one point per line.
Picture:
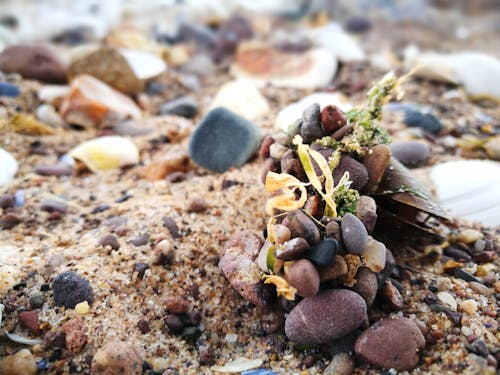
478	73
469	188
289	114
342	45
238	365
242	97
374	255
145	65
104	153
21	339
9	167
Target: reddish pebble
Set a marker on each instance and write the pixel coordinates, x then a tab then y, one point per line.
332	118
177	305
29	319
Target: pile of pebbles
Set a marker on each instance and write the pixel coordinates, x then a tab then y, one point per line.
325	270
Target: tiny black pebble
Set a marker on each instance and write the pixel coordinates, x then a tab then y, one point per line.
425	121
323	253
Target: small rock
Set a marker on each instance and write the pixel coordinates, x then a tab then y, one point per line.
37	300
223	140
332	230
59	169
323	252
492	148
357	24
54	205
172	227
9	90
21	363
123	69
9	167
239	267
33	61
176	305
293	249
425	121
141	268
229	35
375	255
143	326
332	119
281	234
55	339
176	159
7	201
376	162
411	153
199	64
447	299
357	172
47	114
366	285
485	257
140	240
70	289
335	270
29	319
174	323
460	273
185	106
92	103
366	211
341	312
9	221
390	295
354	234
75	335
116	357
197	205
311	125
480	288
391	343
341	364
163	253
468	306
243	98
109	240
457	254
302	275
207	355
469	236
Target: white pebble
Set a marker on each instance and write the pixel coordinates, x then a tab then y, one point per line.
9	167
466	331
231	338
448	300
374	255
469	306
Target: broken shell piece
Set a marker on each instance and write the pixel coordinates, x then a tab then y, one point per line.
9	167
91	102
100	154
238	365
477	72
242	97
263	64
124	69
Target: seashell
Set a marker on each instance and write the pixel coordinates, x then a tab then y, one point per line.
9	167
238	365
100	154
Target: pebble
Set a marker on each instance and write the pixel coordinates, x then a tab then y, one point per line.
457	254
47	114
238	266
469	236
357	24
176	305
341	364
7	89
9	167
172	227
20	363
109	240
59	169
391	296
332	119
33	61
375	255
391	343
366	285
9	220
7	201
376	161
141	268
70	289
54	205
197	205
163	253
322	254
357	172
229	35
492	148
75	335
37	300
411	153
199	64
468	306
293	249
354	234
176	159
29	320
223	140
447	299
116	357
366	211
424	121
480	288
185	106
281	234
303	276
174	323
310	129
243	98
143	326
460	273
301	225
325	317
55	339
91	103
140	240
335	270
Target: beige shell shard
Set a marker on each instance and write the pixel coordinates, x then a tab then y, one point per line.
9	167
469	189
104	153
238	365
263	65
242	97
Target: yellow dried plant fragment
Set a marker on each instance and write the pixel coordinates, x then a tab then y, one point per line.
284	186
82	308
282	287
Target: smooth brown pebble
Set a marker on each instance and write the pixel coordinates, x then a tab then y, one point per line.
20	363
301	225
109	240
293	249
357	172
376	161
116	357
29	319
341	364
302	275
366	285
391	343
337	269
366	211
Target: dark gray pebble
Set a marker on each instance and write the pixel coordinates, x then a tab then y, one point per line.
140	240
323	253
357	172
172	227
311	126
70	289
109	240
457	254
424	121
54	205
185	106
174	323
460	273
59	169
354	234
411	153
223	140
